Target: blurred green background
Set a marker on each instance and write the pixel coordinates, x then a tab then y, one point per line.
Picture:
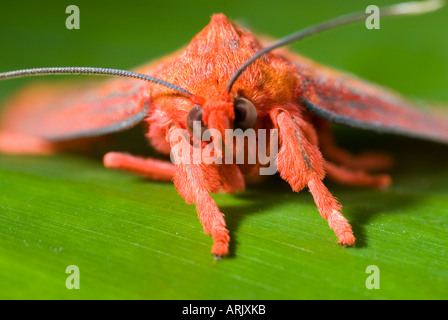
138	239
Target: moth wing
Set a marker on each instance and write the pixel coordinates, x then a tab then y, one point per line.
61	112
57	112
342	98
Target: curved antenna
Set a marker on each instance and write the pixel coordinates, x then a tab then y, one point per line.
89	71
407	8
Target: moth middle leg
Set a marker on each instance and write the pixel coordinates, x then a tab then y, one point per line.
356	177
368	160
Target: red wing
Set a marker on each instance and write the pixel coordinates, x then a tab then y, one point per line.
55	112
344	99
58	112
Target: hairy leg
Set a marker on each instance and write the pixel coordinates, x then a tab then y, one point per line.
18	143
370	161
356	177
300	163
149	168
14	143
194	182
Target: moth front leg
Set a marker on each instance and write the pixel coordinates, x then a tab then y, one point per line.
300	163
194	181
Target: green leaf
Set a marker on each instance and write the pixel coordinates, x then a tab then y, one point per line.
133	238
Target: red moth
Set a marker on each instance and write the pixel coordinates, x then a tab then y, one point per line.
226	78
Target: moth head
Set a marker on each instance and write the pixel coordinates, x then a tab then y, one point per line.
238	114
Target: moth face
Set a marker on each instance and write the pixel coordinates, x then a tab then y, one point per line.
244	117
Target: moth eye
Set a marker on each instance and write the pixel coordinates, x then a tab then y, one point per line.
245	114
195	114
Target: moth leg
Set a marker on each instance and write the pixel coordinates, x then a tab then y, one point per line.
149	168
231	177
371	161
300	163
12	142
194	182
17	143
356	177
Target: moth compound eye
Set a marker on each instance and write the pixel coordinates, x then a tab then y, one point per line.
195	115
245	114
